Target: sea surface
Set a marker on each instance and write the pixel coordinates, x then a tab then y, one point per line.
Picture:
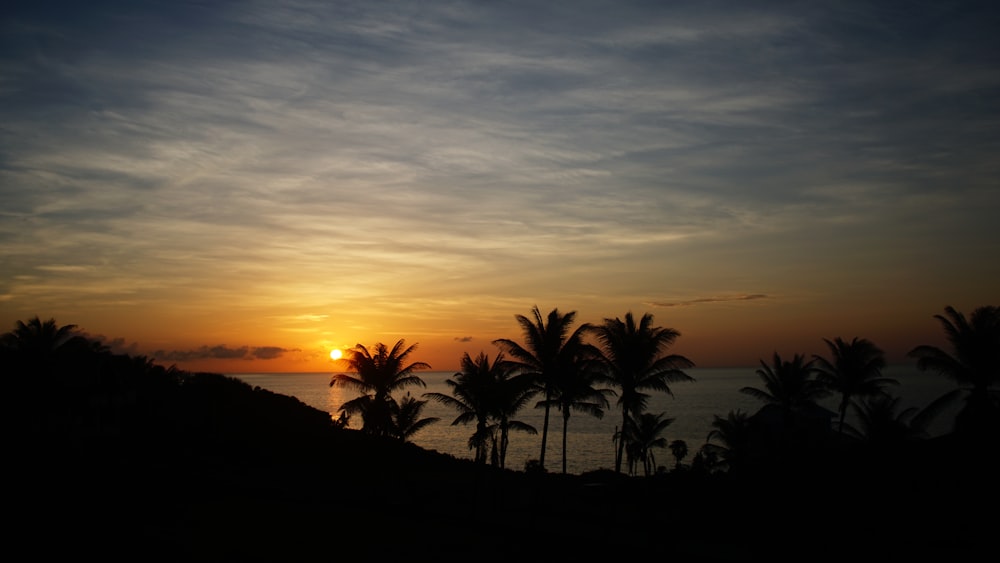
590	444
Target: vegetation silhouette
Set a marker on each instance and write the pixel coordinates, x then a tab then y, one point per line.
635	360
489	394
642	434
550	349
378	374
854	370
973	364
118	457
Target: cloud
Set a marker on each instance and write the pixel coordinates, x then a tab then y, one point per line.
222	352
702	300
463	339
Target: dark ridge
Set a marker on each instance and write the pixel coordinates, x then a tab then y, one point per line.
113	457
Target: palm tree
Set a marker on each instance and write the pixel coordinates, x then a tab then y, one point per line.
853	370
636	361
489	393
574	391
378	375
406	418
549	348
788	384
511	394
643	433
37	337
882	424
733	432
679	449
974	364
470	396
791	390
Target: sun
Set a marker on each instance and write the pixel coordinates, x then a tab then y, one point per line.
336	354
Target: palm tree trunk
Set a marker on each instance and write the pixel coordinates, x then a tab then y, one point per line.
503	445
565	427
545	430
621	441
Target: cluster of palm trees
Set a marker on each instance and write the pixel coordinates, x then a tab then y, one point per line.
555	364
578	369
853	371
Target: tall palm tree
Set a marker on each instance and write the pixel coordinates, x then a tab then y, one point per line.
574	391
643	433
379	374
38	338
733	432
636	360
853	370
549	347
489	394
790	395
788	384
511	394
974	364
406	418
470	396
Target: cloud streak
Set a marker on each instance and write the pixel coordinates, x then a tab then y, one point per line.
708	300
222	352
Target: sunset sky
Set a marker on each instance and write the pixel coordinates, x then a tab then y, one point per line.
242	186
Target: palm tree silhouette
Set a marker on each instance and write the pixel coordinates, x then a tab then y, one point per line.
788	384
792	391
853	370
490	394
881	423
574	391
549	348
406	418
635	360
643	433
378	375
679	449
733	432
974	364
38	338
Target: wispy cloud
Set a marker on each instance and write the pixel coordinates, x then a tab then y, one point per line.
706	300
222	352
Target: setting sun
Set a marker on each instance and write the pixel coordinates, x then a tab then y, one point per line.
336	354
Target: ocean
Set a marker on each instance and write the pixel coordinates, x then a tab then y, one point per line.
590	444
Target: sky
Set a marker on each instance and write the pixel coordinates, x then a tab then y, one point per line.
242	186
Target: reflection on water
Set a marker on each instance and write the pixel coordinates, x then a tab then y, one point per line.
715	391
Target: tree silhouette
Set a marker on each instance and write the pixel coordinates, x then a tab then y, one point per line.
490	394
679	449
549	347
642	434
378	375
406	418
733	432
788	384
881	423
574	391
636	361
786	422
853	370
37	337
974	364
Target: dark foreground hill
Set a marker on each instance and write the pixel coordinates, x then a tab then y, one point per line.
221	472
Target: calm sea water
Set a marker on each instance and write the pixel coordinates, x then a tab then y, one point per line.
590	446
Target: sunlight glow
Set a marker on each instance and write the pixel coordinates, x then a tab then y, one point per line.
336	354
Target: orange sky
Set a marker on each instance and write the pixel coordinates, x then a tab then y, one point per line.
240	191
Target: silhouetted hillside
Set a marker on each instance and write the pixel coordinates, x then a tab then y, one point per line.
116	458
